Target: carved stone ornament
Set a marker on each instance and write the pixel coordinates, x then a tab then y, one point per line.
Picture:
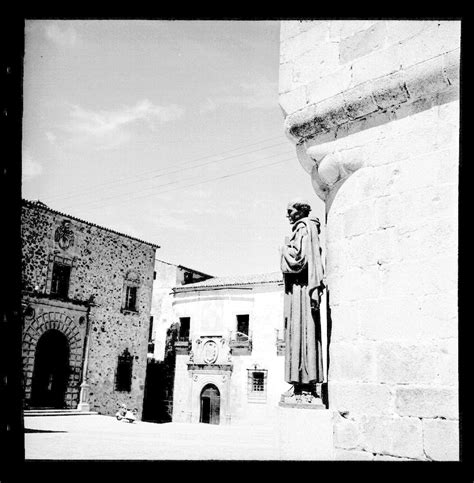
210	352
63	235
328	166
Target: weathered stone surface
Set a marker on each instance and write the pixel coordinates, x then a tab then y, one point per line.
438	38
401	437
345	455
426	402
328	85
293	100
441	439
431	71
400	30
359	101
346	433
360	398
362	43
402	363
352	361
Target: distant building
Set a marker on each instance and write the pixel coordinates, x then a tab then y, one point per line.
86	298
166	277
163	332
229	352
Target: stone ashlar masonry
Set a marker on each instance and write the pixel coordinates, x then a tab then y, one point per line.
101	260
373	108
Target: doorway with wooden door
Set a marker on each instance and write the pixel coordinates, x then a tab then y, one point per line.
210	404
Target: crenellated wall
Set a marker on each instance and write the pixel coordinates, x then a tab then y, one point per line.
101	260
373	108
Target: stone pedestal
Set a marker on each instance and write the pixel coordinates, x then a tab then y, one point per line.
304	433
83	404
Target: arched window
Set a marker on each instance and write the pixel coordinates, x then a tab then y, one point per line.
130	291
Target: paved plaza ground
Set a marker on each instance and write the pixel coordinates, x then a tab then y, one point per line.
96	437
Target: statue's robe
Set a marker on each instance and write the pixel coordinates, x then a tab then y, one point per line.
302	269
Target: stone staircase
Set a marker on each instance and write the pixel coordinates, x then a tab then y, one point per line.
55	412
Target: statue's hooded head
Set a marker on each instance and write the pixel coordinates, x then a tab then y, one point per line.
297	209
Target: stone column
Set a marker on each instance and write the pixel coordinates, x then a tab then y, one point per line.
373	107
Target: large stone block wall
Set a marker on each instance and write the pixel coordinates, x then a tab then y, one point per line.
379	137
101	261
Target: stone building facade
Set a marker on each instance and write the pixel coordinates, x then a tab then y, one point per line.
230	363
86	297
373	109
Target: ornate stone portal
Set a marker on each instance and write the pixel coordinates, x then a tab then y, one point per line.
209	366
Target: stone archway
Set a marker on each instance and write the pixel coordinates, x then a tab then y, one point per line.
33	333
51	370
210	403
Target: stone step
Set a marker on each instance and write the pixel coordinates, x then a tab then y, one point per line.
56	412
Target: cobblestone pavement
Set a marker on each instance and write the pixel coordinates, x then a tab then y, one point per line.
98	437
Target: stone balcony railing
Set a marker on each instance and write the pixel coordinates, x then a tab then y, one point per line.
182	345
240	344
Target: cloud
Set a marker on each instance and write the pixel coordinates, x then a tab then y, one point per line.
30	168
109	129
63	37
258	94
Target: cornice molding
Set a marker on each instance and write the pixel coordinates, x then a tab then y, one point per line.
423	80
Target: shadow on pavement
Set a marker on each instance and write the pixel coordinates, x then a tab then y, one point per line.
28	430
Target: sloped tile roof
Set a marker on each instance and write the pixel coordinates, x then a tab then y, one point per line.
233	280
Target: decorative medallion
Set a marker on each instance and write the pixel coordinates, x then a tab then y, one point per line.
63	235
209	352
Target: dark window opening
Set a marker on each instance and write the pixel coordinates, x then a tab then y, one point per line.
131	299
60	280
258	382
184	324
123	379
188	277
242	325
150	331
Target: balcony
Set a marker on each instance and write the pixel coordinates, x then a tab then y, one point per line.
280	343
182	345
240	344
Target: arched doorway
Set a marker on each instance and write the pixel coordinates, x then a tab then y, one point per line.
210	404
51	370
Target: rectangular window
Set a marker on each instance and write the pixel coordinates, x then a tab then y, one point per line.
184	324
258	382
60	280
131	299
242	325
257	385
123	377
150	331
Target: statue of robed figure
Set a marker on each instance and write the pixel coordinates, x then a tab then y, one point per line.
303	273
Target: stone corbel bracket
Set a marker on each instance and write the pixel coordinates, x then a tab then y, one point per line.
328	167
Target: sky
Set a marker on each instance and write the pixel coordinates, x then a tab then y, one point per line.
168	131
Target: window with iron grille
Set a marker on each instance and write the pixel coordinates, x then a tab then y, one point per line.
60	279
131	299
257	385
123	375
